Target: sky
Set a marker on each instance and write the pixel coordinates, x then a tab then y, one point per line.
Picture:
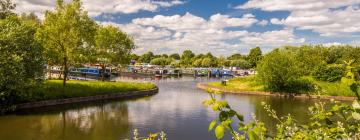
222	27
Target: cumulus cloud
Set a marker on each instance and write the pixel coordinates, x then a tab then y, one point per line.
263	22
169	34
327	17
98	7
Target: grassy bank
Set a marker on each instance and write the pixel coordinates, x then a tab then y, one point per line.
53	89
251	84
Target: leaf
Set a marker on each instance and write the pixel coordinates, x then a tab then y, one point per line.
215	106
219	132
240	117
212	124
223	116
253	136
356	115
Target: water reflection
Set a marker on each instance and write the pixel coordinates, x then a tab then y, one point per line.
105	122
177	109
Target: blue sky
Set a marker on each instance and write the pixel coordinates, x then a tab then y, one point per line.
222	27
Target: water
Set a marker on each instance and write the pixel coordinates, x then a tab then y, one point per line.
177	110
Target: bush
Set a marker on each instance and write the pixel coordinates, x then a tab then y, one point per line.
330	73
21	60
278	71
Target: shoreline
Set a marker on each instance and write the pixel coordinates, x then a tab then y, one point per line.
56	102
205	86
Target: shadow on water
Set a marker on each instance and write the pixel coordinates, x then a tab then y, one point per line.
177	110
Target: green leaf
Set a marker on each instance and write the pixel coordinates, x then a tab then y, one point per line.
215	106
253	136
223	116
212	124
240	117
219	132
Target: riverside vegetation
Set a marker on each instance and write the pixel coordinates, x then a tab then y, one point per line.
306	69
66	37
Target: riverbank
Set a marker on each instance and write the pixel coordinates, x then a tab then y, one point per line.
52	92
249	86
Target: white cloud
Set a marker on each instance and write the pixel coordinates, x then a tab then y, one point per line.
273	38
169	34
332	44
327	17
263	22
98	7
221	21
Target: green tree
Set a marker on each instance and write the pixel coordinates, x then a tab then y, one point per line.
206	62
161	61
112	47
223	62
186	58
236	56
134	57
146	57
21	60
254	56
175	56
278	71
240	63
197	62
65	33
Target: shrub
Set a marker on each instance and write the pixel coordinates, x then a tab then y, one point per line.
330	73
278	71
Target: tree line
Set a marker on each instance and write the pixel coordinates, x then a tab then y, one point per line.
286	68
190	59
67	37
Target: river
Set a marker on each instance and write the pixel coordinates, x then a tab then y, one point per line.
177	110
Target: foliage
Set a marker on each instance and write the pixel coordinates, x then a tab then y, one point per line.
330	73
21	60
254	56
112	47
6	8
236	56
206	62
186	58
241	63
175	56
152	136
63	34
341	121
197	63
146	57
161	61
279	72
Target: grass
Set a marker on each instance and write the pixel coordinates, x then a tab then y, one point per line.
250	84
53	89
242	84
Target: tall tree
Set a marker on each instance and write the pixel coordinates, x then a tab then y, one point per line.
147	57
254	56
65	34
186	58
112	47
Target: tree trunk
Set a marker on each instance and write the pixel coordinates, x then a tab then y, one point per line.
65	71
